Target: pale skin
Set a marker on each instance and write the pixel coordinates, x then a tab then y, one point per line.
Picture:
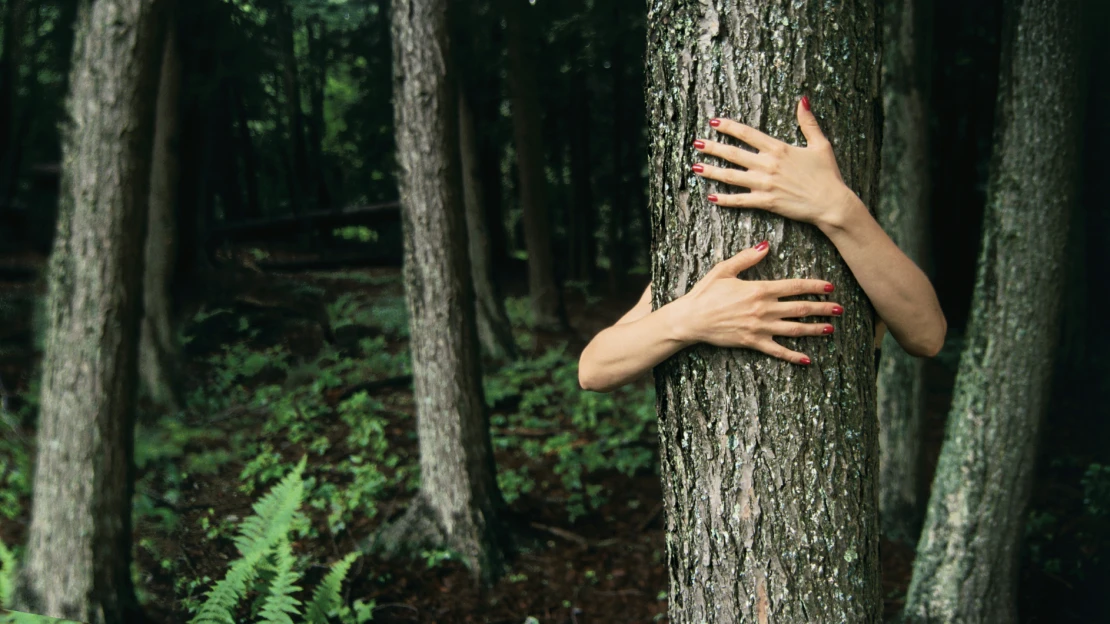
800	183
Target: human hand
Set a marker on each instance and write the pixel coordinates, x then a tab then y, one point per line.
800	183
728	312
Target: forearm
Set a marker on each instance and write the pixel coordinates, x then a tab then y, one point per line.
900	291
624	352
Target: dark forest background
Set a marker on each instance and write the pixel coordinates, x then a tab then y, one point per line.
287	172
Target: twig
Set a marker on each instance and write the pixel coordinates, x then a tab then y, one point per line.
369	386
563	533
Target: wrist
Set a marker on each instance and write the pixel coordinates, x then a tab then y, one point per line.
844	210
680	322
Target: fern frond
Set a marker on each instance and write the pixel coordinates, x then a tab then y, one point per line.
280	603
273	513
222	598
7	574
326	597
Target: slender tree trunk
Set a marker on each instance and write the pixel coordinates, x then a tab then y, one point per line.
770	470
966	565
458	500
246	149
904	214
494	331
158	352
582	208
618	206
11	56
78	557
527	132
317	34
294	114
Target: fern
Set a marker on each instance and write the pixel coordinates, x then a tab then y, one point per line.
7	574
326	597
223	597
280	603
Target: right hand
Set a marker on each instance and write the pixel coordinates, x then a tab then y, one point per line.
725	311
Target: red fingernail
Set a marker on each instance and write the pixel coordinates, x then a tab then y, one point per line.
805	101
699	144
828	329
805	361
829	288
698	168
714	122
762	246
837	310
712	198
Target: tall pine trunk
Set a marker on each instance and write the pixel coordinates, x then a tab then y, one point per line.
78	557
966	565
158	352
904	214
495	334
528	138
770	470
458	500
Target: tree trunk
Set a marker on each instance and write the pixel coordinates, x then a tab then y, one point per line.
158	352
582	210
494	331
770	470
246	149
527	133
904	214
298	187
78	557
618	206
11	57
458	500
317	36
966	565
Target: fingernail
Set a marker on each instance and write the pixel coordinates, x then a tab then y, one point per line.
829	288
714	122
837	310
805	361
698	168
762	246
712	198
699	144
805	102
828	329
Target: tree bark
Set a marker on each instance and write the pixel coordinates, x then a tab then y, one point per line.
495	333
458	500
770	470
298	186
78	557
158	352
527	133
966	565
904	214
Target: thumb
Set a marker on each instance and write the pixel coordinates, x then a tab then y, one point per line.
744	260
808	122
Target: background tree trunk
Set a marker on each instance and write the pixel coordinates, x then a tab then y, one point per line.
494	331
527	133
966	565
11	57
158	352
78	557
770	470
904	214
458	500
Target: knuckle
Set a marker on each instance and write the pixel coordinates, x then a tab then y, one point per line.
801	310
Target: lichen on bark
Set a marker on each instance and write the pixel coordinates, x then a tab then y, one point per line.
769	469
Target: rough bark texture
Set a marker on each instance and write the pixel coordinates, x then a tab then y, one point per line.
458	493
79	543
903	213
770	470
495	333
966	565
158	352
527	137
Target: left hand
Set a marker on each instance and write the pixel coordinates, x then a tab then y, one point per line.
800	183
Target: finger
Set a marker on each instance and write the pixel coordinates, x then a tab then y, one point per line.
747	134
734	155
755	199
794	287
743	261
808	122
735	177
802	309
797	330
774	349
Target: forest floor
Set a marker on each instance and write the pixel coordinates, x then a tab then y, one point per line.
578	470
